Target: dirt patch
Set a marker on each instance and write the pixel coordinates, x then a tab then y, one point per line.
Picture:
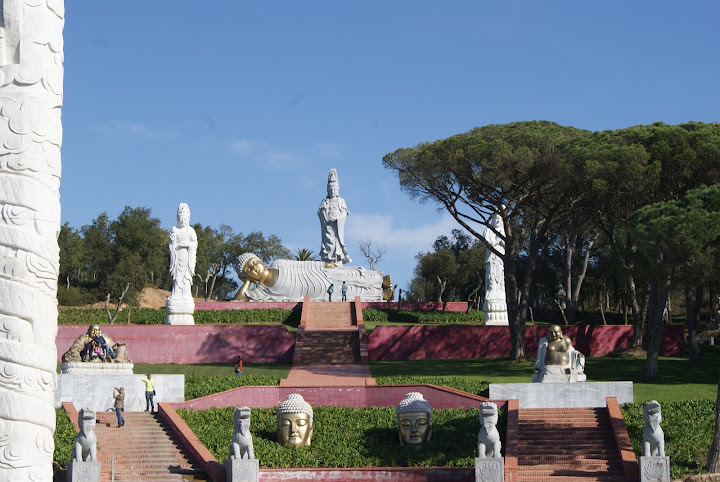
150	297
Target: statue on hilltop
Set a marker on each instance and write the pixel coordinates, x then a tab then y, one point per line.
332	214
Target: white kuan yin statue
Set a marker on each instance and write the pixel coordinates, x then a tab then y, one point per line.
183	243
31	74
495	305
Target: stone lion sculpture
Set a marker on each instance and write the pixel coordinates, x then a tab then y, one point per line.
653	436
85	449
241	446
489	444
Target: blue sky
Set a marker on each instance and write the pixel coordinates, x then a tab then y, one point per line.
240	108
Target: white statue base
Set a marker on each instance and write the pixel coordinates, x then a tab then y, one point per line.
495	312
558	374
180	312
654	469
489	470
97	368
242	470
83	471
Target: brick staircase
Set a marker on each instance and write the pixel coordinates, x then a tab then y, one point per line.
330	348
567	445
143	448
330	316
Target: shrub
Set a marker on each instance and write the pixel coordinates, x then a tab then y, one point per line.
64	438
198	386
688	426
394	316
476	387
151	316
347	437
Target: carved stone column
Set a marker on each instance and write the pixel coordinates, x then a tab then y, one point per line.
31	73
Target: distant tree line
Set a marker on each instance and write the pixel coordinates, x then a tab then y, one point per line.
614	218
110	259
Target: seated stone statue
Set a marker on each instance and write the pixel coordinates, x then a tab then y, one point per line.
653	436
489	444
93	346
241	446
289	280
294	421
414	420
557	360
85	449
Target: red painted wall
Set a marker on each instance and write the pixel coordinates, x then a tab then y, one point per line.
387	343
361	396
192	344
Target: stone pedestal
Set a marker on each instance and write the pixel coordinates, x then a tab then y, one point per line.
97	368
654	469
242	470
83	471
495	312
180	312
489	470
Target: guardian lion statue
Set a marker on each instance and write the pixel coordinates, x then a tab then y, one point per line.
653	436
241	446
489	444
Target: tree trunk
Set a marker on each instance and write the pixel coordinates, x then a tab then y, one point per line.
692	311
638	318
659	290
67	282
441	288
713	463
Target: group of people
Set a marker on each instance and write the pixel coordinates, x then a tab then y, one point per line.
343	290
97	347
120	398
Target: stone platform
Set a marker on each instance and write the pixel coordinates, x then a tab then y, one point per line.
96	391
563	395
97	368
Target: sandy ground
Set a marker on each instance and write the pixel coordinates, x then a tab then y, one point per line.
149	298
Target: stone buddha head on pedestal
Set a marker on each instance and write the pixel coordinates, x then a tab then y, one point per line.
294	421
414	420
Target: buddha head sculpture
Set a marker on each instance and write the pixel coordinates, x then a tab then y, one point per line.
414	420
333	186
183	215
94	331
294	421
253	268
554	333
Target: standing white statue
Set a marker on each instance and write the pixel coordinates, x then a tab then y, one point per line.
332	214
495	305
31	74
183	243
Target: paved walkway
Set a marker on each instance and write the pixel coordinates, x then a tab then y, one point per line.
348	375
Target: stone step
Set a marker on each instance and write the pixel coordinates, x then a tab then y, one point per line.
603	478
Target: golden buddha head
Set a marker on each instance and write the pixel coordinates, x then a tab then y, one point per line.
294	421
94	331
252	266
183	215
414	420
554	333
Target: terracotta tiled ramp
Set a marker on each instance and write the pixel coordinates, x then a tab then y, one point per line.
330	316
143	448
575	444
328	376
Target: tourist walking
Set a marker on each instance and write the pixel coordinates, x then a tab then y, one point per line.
343	290
330	291
149	393
119	404
238	366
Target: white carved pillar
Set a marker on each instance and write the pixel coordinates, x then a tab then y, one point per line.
31	73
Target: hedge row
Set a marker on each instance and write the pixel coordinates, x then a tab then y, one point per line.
151	316
64	438
476	387
395	316
197	386
688	426
347	437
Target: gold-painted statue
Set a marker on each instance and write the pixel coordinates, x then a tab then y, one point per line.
557	360
414	420
93	346
294	421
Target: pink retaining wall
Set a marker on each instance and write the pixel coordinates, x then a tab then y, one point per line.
192	344
360	396
387	343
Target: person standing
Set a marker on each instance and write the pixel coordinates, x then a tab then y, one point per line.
330	291
149	393
238	366
119	404
343	290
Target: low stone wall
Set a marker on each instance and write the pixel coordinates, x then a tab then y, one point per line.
192	344
360	396
563	395
96	391
387	343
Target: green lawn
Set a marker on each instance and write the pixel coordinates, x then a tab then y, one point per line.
676	380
